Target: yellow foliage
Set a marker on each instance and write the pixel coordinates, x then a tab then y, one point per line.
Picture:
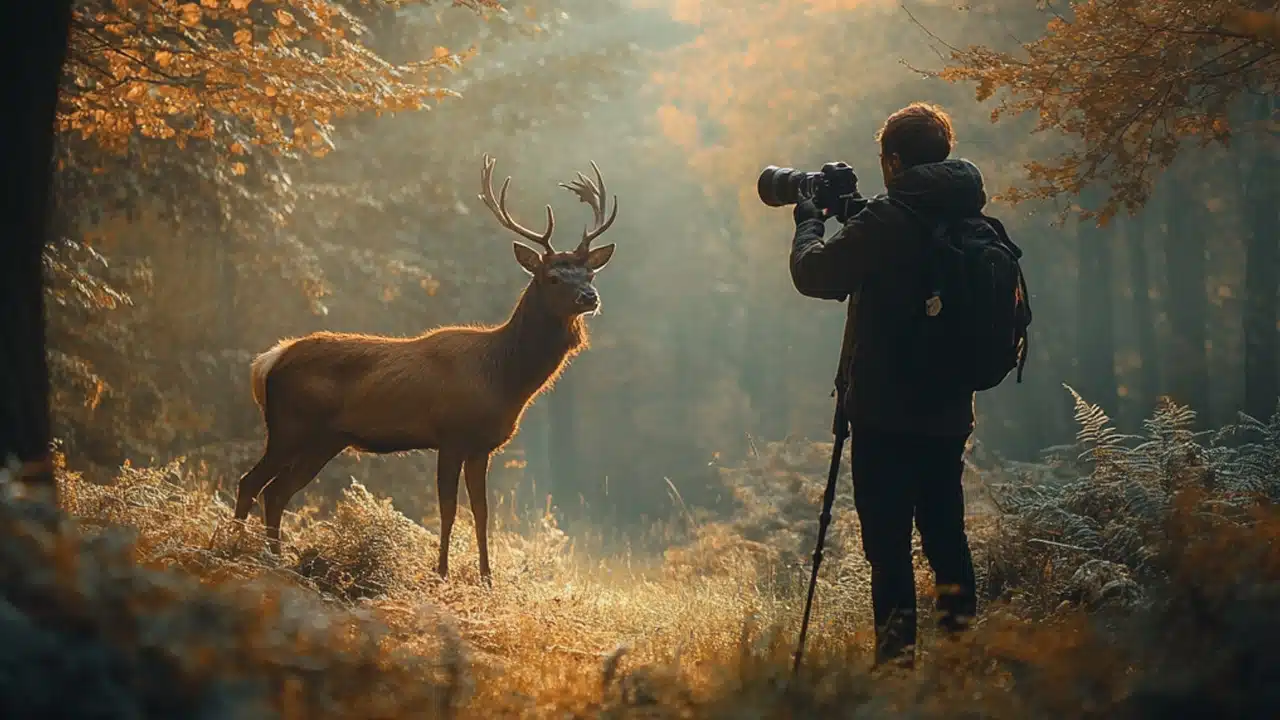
1130	83
176	71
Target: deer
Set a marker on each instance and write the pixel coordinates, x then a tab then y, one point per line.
460	390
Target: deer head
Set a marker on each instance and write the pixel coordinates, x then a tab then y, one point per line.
563	279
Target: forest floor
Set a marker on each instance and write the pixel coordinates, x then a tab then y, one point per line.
354	622
542	636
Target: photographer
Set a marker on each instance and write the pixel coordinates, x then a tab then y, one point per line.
908	430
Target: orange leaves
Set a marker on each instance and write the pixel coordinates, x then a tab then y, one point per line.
190	14
678	127
1129	82
167	68
756	85
687	11
1261	25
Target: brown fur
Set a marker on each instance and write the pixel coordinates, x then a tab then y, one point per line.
460	390
461	385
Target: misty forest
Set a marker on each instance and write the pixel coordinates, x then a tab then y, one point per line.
231	173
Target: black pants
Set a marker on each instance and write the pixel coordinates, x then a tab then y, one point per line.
898	478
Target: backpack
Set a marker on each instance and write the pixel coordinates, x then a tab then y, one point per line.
976	308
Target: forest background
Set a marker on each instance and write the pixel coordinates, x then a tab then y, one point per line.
220	188
230	171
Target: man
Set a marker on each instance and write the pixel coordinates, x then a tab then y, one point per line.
908	433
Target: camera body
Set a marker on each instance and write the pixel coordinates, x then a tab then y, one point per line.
828	188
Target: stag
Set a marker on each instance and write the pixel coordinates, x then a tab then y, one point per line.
458	390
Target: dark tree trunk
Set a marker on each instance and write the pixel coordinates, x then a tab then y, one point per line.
1144	318
1095	332
1185	261
35	45
1262	273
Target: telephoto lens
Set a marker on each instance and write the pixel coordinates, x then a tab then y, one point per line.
778	186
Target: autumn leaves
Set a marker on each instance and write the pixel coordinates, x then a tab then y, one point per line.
241	74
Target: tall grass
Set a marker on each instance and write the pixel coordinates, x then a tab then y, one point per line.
1130	577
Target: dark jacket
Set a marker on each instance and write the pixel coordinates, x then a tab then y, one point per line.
876	261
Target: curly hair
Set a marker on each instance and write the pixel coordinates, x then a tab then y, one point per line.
918	133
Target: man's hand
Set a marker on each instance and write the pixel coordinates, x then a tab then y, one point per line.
807	210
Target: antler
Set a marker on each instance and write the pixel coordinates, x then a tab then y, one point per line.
499	208
593	194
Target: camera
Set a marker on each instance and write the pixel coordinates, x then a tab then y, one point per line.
778	186
829	188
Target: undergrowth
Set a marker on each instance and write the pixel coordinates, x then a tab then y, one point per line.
1088	528
1130	577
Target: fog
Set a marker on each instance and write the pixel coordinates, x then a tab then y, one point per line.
703	349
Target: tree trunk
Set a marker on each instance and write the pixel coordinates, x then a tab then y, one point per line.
35	46
1185	261
1262	274
1144	319
1095	336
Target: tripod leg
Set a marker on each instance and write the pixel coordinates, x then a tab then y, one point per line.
824	520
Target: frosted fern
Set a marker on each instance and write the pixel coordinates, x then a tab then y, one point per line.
1105	500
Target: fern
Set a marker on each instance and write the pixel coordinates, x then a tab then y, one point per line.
1099	441
1120	491
1252	467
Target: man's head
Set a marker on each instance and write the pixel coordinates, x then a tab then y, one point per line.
917	134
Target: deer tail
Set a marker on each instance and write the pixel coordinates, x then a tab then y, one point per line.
261	367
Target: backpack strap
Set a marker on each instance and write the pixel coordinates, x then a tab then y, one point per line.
1003	234
936	235
1016	251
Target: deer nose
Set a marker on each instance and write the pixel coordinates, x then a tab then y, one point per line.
588	296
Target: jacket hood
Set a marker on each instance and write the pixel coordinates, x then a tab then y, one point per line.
951	188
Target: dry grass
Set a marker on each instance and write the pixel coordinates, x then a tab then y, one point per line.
539	638
189	616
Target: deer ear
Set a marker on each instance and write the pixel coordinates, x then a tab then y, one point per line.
599	257
528	258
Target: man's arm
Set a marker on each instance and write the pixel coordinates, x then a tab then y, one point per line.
834	269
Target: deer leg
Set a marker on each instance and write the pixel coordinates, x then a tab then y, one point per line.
448	466
277	494
477	469
252	482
